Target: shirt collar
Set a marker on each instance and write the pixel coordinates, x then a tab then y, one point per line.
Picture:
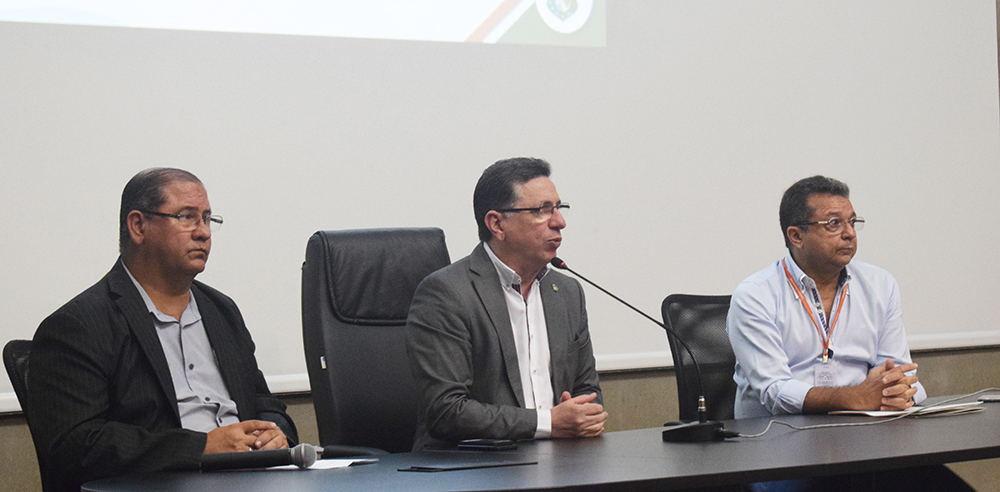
805	281
508	277
190	314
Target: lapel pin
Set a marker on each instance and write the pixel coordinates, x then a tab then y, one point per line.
555	288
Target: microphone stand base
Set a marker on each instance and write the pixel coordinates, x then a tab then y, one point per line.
694	432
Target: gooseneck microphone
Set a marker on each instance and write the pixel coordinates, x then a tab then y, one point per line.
703	430
303	456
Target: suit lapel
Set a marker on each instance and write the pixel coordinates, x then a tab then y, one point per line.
222	346
556	326
140	322
486	282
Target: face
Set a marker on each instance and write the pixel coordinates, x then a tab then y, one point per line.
179	251
820	248
530	239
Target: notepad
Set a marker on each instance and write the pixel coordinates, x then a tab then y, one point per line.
919	411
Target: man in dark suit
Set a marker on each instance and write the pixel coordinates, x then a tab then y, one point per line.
149	369
498	344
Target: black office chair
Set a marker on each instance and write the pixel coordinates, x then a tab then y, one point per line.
15	359
356	291
701	322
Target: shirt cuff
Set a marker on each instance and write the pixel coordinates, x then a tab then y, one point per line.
544	428
921	393
790	398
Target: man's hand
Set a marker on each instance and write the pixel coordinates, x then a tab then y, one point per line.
245	436
578	417
886	388
898	388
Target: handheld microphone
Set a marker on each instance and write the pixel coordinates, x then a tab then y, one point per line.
303	456
703	430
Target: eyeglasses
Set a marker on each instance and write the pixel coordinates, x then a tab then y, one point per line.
544	212
190	222
836	224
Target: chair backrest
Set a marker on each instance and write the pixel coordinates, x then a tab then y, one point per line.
701	321
356	291
15	359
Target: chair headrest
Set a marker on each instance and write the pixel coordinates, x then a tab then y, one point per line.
373	273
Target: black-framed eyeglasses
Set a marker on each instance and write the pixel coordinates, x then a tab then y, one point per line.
545	212
190	222
836	224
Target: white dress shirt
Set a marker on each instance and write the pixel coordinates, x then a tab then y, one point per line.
527	319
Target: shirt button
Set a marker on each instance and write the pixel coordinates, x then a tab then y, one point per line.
190	366
208	399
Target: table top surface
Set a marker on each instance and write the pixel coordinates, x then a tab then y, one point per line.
638	458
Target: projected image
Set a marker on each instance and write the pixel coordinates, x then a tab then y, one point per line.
546	22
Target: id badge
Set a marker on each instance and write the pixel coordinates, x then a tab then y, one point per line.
826	375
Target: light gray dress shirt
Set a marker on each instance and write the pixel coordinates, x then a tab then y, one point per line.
202	398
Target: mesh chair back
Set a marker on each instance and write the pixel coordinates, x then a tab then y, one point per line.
356	291
701	321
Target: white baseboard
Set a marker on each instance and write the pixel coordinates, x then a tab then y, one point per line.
954	340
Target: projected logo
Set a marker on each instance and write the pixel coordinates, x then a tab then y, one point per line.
565	16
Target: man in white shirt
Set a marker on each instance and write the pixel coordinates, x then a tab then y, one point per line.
498	344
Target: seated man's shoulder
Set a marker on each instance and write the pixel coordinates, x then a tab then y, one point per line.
93	303
762	281
869	272
450	275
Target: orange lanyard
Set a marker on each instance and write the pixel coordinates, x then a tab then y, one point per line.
823	336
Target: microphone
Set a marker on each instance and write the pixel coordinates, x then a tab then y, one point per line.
703	430
303	456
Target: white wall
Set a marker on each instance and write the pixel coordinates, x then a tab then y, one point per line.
673	144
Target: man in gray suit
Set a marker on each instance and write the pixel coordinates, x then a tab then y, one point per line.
498	344
149	369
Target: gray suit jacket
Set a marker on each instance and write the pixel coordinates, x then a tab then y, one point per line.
462	355
101	399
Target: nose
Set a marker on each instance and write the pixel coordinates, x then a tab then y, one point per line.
849	231
557	221
202	231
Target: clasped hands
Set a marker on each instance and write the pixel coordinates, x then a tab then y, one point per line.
578	416
245	436
887	387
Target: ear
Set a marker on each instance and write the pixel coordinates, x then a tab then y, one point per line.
136	223
794	234
493	222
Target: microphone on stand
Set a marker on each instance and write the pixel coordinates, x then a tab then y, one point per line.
704	429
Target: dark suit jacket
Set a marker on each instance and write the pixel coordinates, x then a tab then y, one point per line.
462	354
101	399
